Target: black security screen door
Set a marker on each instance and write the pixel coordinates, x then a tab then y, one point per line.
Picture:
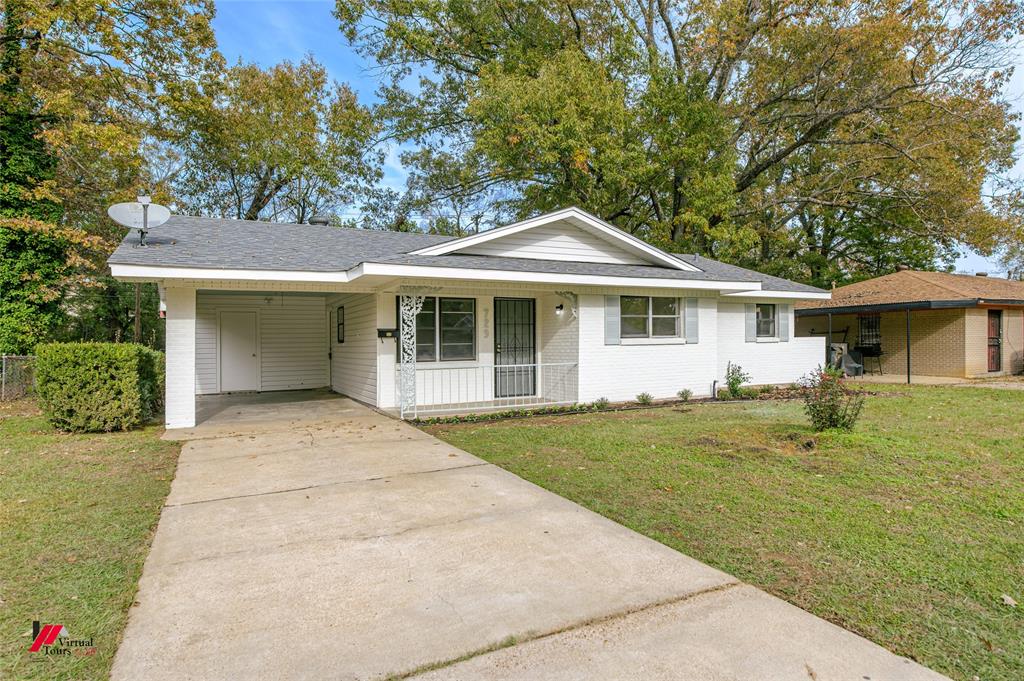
515	371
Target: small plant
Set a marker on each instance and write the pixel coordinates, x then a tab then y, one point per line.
735	377
644	399
828	402
685	394
600	403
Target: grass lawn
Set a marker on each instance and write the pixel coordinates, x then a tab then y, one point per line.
907	531
77	513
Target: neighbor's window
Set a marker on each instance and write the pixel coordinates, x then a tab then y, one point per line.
870	332
647	317
766	316
341	324
448	324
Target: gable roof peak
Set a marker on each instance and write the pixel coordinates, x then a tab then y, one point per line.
576	217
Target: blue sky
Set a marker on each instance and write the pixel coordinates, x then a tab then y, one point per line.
269	31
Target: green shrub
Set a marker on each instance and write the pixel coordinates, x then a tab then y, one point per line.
601	403
828	402
88	387
644	399
685	394
735	377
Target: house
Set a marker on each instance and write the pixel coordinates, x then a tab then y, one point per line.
557	309
958	325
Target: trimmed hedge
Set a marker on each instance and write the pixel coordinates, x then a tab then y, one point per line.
89	387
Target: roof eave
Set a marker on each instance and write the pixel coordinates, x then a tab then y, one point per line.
887	307
127	272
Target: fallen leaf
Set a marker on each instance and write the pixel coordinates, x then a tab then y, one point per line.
1007	600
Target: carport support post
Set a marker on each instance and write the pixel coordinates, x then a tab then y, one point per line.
180	380
908	345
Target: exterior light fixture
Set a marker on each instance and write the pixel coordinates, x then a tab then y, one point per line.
559	309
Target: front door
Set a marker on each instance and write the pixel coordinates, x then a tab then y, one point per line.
995	340
238	361
515	370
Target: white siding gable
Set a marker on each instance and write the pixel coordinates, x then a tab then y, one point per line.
557	241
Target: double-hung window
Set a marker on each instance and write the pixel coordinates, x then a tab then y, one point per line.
649	317
767	320
446	330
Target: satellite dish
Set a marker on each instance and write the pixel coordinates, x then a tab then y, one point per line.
141	215
135	215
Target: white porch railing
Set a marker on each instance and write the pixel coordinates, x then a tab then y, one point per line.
487	387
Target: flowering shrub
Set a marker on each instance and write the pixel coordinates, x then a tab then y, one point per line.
828	402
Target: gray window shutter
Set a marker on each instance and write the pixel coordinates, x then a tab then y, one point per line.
751	322
784	323
611	320
690	323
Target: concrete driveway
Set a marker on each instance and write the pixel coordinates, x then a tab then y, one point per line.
312	538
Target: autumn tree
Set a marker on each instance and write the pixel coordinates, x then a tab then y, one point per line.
822	140
79	89
275	144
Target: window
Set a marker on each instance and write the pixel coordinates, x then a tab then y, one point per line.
448	324
426	331
766	320
458	328
646	317
870	332
341	324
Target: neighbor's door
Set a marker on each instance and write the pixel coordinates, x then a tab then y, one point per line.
515	370
238	352
995	340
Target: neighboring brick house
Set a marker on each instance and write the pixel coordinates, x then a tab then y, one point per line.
960	325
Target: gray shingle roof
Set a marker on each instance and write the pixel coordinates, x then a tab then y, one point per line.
240	244
724	270
185	241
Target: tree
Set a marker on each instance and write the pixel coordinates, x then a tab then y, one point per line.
106	312
276	144
748	130
79	86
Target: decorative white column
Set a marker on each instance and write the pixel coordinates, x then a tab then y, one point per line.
180	395
408	307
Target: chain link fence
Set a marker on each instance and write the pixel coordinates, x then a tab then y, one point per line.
16	376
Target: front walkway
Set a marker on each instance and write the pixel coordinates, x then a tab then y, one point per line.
319	539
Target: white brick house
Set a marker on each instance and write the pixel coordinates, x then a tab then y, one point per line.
560	308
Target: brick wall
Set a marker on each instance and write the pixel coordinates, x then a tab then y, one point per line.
1013	340
977	342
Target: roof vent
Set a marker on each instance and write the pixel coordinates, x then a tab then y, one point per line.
981	274
902	268
320	219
